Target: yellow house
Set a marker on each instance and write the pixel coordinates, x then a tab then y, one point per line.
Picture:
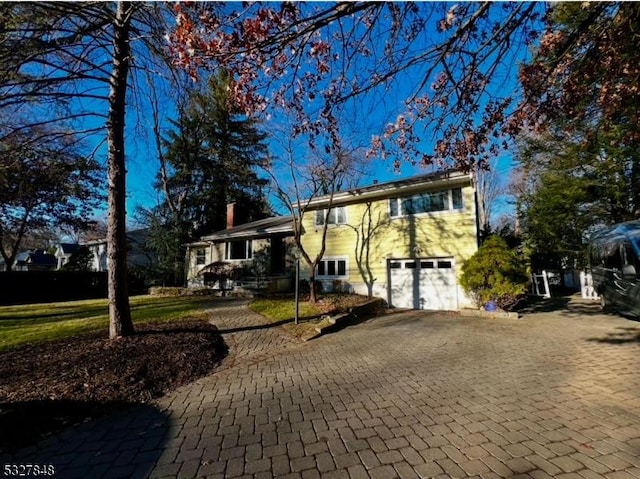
404	241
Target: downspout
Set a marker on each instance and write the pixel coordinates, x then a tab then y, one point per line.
475	213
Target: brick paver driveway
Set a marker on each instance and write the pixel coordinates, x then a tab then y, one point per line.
408	395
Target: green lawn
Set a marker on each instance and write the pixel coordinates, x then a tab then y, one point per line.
284	308
32	323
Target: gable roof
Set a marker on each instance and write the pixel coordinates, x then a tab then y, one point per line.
138	236
69	248
265	228
390	189
36	258
283	225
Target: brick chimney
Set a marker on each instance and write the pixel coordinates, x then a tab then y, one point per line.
231	215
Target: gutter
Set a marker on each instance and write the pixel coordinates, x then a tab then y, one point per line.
391	189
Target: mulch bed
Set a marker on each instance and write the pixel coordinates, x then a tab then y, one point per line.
45	387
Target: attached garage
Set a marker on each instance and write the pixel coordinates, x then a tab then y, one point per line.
423	283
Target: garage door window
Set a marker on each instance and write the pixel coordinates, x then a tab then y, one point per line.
332	268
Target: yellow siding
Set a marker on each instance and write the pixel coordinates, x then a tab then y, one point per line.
438	234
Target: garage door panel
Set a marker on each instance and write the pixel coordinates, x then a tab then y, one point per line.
402	284
427	283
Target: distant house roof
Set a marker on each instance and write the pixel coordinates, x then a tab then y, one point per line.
138	236
69	248
265	228
36	258
389	189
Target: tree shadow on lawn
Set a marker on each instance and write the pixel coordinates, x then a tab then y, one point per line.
131	435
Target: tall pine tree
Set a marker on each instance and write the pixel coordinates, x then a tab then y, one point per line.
210	158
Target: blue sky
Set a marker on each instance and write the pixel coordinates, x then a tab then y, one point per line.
368	116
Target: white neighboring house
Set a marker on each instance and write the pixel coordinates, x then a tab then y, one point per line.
31	260
136	253
64	251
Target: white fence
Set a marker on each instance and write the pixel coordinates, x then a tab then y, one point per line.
540	284
586	286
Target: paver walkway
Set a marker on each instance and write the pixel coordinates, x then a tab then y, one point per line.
246	333
409	395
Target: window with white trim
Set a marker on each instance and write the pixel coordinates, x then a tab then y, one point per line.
445	200
238	250
201	256
336	216
332	268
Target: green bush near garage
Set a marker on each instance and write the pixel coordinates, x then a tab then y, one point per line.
496	274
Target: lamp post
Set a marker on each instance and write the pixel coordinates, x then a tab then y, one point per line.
296	253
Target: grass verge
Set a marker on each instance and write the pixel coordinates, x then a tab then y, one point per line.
36	323
310	315
283	308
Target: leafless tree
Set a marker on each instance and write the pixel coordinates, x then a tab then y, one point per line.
72	63
299	179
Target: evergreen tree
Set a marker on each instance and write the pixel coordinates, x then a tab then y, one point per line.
583	163
574	188
210	159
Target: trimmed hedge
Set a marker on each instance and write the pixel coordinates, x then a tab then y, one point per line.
178	291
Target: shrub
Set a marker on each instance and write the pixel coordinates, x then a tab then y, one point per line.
178	291
494	273
81	260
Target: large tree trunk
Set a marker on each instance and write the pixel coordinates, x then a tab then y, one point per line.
120	323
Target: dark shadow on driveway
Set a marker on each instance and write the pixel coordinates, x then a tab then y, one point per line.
404	317
570	306
543	305
622	335
259	326
126	442
24	423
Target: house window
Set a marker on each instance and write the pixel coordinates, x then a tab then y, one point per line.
332	268
238	250
456	198
445	200
336	216
201	256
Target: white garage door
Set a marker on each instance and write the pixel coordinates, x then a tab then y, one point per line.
425	283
